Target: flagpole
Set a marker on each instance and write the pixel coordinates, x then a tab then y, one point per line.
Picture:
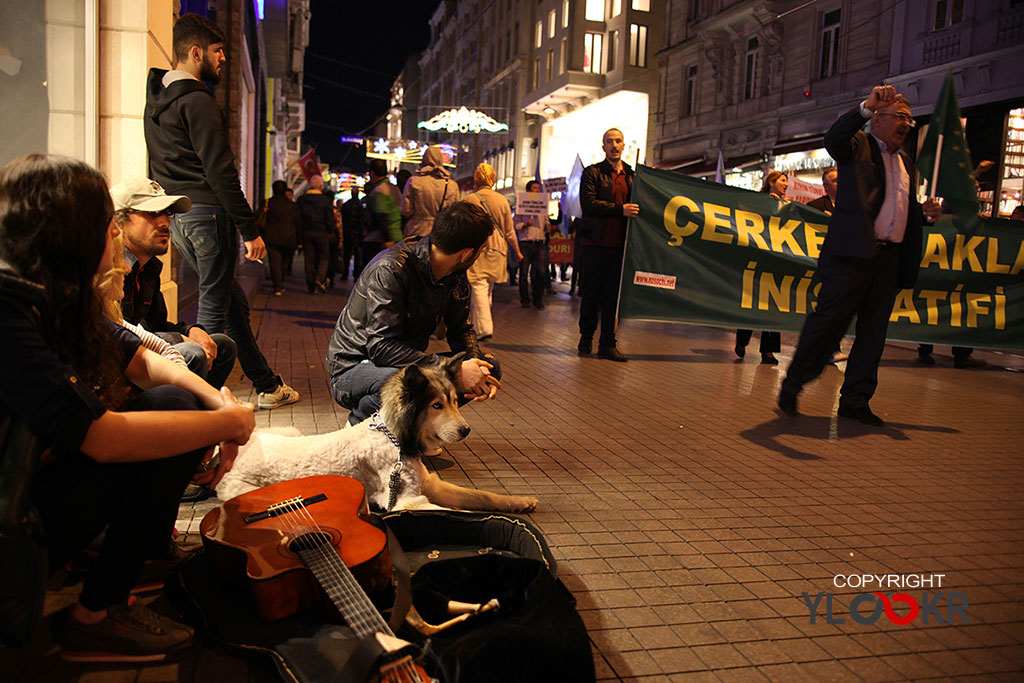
935	170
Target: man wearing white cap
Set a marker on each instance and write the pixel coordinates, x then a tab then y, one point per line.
143	211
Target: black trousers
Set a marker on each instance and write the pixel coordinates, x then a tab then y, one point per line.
959	352
770	341
865	287
316	251
600	272
137	502
279	258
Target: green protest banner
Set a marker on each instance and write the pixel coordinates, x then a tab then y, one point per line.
710	254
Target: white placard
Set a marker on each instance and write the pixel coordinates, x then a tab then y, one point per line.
532	204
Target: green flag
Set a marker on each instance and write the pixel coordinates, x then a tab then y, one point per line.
955	183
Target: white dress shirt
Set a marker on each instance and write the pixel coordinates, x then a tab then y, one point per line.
891	222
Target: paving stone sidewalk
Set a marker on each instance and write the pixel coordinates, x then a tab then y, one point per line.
689	518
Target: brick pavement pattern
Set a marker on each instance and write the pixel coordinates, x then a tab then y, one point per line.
688	516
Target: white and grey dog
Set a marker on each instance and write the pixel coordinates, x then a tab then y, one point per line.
419	411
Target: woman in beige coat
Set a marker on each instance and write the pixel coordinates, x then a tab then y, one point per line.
429	190
491	265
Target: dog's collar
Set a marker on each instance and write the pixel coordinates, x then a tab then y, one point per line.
395	481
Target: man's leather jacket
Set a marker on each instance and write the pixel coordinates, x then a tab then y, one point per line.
395	307
596	198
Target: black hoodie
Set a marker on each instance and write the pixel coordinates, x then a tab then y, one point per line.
188	148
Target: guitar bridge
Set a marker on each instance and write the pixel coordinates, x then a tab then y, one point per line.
285	506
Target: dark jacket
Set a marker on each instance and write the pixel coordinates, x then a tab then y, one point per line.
143	302
317	212
823	204
188	148
851	230
596	198
281	222
395	307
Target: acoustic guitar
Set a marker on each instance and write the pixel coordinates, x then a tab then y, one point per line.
294	542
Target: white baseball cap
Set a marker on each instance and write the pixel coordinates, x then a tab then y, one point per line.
143	194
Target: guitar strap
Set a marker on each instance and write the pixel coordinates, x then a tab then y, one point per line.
403	584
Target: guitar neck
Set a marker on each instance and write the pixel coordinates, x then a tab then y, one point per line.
344	591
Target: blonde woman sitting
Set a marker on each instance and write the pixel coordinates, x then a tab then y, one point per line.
491	265
110	286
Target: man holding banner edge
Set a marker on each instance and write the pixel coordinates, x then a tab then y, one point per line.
605	189
872	249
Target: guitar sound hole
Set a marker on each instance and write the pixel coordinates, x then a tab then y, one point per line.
310	541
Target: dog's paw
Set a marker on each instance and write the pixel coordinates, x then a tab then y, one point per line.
521	504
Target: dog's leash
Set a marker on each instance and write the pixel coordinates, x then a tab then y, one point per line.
395	482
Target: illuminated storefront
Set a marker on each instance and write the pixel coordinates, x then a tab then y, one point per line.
580	132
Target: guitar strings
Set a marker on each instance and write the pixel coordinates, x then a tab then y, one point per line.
335	565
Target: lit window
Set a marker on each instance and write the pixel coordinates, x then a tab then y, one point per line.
551	24
594	10
592	52
565	13
829	43
642	5
637	45
750	69
536	73
539	34
948	13
613	43
551	64
616	7
561	56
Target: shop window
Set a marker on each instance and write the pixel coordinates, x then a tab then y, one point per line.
551	23
561	55
592	47
613	44
948	13
750	64
565	13
550	64
637	45
594	10
642	5
539	34
689	107
46	96
829	43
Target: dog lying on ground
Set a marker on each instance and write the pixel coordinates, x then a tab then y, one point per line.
419	407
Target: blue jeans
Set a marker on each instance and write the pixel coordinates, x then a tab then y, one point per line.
195	358
358	388
208	243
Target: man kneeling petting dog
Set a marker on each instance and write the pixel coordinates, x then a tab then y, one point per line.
380	370
419	412
396	305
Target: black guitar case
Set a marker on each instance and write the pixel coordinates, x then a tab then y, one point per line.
535	634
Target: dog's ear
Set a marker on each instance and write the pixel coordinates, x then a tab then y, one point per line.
453	366
413	380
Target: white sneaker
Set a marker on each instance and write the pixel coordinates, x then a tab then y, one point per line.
281	396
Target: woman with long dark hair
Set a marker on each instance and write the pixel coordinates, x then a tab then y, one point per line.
775	184
118	430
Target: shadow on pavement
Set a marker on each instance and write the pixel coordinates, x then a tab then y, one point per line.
826	429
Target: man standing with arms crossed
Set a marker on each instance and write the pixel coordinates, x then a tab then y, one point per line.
189	155
604	198
871	250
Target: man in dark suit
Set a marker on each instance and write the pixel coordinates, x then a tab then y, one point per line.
827	202
872	249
